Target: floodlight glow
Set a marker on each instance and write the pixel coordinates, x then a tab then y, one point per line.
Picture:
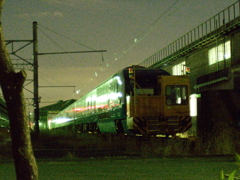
193	105
102	98
113	96
61	120
91	98
119	94
119	80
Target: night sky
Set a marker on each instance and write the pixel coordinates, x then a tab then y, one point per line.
130	31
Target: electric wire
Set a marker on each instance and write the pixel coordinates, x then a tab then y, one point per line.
142	35
108	64
150	28
52	40
42	74
67	38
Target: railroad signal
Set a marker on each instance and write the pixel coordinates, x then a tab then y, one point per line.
130	72
187	70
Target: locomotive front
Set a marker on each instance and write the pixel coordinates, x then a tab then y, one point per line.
157	103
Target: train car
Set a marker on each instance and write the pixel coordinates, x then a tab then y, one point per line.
4	120
136	100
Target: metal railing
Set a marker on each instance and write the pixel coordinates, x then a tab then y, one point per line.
222	22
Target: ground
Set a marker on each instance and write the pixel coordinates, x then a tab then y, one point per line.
128	168
89	157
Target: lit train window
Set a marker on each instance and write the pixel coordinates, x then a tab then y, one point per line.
176	95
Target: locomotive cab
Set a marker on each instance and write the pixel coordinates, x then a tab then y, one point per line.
175	92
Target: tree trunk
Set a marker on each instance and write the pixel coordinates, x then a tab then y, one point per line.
12	88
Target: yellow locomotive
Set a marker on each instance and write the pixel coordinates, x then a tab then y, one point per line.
166	112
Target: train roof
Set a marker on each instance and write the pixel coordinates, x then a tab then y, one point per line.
137	67
60	105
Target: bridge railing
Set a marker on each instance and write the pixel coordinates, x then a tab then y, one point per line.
220	23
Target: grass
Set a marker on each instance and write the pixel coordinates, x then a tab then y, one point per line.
70	147
129	145
61	144
232	175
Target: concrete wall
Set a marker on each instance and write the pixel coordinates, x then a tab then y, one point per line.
235	48
197	60
218	122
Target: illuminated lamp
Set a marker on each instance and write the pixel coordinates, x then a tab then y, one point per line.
130	72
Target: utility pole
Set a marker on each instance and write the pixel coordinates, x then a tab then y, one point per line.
33	66
35	78
35	74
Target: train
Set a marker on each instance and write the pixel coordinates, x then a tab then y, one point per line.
134	101
4	120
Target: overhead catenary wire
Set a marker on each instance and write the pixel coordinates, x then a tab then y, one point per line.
142	35
107	61
52	40
67	37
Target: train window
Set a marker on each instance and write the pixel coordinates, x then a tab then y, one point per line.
176	95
